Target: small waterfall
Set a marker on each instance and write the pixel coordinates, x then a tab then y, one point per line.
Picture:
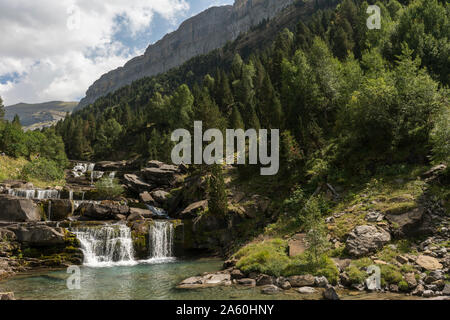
157	211
71	195
49	211
112	175
106	246
161	241
34	194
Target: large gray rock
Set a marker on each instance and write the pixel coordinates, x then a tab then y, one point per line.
194	208
18	210
7	296
199	35
38	235
302	281
106	211
364	240
136	184
407	223
60	209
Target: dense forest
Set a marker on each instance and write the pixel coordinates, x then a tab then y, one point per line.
347	99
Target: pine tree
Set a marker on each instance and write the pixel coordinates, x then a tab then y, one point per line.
16	121
218	202
2	110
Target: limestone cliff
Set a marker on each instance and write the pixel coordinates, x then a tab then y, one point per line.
207	31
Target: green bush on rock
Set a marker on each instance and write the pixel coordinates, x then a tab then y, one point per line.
42	169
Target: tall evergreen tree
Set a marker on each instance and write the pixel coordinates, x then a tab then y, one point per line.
218	202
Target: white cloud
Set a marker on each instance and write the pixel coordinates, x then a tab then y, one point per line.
57	63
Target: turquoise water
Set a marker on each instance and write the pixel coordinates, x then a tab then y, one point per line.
145	282
139	282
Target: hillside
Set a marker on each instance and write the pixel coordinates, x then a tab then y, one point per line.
36	116
198	35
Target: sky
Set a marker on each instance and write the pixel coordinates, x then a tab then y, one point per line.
55	49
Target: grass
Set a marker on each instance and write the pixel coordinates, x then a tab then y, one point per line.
11	168
270	257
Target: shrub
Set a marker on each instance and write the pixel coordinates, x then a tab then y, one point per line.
108	188
356	275
403	286
42	169
267	257
390	274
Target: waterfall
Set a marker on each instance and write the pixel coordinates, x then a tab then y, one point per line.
71	195
34	194
106	246
49	211
161	241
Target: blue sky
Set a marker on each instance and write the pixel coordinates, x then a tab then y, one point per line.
43	57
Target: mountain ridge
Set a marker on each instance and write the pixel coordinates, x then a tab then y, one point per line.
209	30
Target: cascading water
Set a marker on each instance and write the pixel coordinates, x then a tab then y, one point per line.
34	194
106	246
161	241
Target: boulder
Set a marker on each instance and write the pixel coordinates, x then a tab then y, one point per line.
101	212
60	209
364	240
410	279
302	281
38	235
330	294
18	210
264	280
139	214
7	296
408	223
428	263
247	282
306	290
374	216
237	274
160	196
446	291
116	166
146	197
321	282
160	174
270	289
194	208
136	184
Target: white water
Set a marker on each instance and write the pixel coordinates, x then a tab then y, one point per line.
34	194
106	246
161	242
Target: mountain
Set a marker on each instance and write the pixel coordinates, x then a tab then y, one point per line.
36	116
201	34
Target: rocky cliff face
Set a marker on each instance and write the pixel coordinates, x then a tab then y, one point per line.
201	34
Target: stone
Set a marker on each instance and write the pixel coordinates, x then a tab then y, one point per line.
247	282
237	274
408	223
393	288
109	166
162	176
7	296
410	279
136	184
146	198
428	294
419	290
18	210
230	263
321	282
60	209
402	259
364	240
374	216
330	294
270	289
38	235
446	290
285	285
160	196
193	209
218	278
437	274
302	281
101	212
139	214
264	280
306	290
297	244
428	263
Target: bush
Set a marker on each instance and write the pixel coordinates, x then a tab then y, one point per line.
267	257
108	188
356	275
42	169
390	274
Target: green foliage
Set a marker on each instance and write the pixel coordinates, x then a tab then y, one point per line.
2	110
218	202
267	257
108	188
441	136
42	169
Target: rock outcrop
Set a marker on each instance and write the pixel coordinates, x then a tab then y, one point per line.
207	31
366	239
18	210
